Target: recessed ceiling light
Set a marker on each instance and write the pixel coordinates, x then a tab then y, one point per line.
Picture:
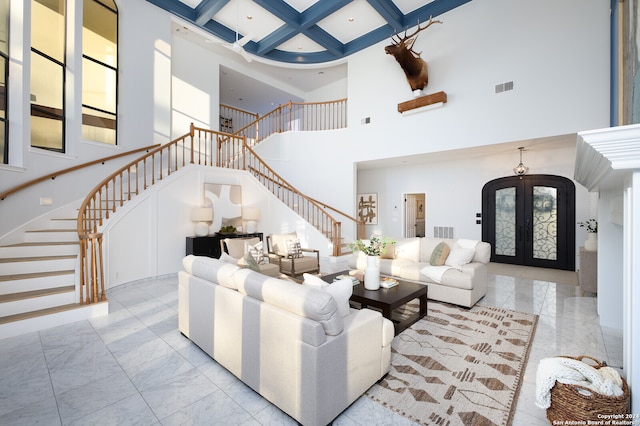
299	47
320	72
249	17
351	19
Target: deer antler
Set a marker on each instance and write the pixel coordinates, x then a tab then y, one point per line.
405	37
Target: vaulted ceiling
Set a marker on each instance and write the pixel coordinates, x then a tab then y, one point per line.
304	31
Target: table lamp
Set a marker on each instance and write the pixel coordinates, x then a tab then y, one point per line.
251	215
202	216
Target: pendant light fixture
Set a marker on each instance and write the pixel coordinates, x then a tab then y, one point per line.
520	169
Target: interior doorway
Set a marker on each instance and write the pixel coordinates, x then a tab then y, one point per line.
530	220
415	215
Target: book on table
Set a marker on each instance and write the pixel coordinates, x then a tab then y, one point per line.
386	282
354	280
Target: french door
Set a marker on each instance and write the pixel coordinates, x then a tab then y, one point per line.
530	220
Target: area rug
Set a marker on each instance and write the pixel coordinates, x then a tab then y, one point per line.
458	366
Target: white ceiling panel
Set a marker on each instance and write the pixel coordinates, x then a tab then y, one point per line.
352	21
250	18
301	44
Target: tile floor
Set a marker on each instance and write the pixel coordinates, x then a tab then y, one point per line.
134	367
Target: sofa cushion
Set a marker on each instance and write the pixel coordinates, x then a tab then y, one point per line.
210	269
408	248
427	245
483	252
459	257
391	266
439	254
341	291
235	246
298	299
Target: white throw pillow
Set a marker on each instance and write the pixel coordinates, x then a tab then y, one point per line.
340	290
458	257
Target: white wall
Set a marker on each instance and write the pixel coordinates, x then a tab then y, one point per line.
453	186
195	89
147	237
610	261
556	53
143	116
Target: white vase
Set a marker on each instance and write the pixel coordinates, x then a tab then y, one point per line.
372	274
591	243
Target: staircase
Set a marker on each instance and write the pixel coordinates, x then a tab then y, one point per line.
38	278
55	265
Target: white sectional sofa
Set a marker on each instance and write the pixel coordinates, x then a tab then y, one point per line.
288	342
462	280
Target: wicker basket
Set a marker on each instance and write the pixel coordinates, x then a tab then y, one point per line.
569	402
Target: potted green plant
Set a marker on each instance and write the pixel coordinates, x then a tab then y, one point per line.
591	242
372	248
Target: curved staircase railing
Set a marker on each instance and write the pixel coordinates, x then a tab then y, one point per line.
203	147
297	116
54	175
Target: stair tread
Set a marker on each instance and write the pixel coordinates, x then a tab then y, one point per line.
12	297
42	243
14	277
37	258
41	312
53	230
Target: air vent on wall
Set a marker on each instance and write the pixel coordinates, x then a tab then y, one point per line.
504	87
443	232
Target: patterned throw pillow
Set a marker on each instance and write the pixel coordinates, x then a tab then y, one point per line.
389	251
256	251
439	254
294	250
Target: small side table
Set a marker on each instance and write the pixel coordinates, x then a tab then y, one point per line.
588	272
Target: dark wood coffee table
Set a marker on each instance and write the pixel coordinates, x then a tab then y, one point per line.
388	299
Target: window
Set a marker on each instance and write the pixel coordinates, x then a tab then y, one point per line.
99	70
4	74
47	74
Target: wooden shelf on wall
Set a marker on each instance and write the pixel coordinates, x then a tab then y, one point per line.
422	101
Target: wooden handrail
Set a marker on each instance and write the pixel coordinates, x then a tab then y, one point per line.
54	175
298	116
199	146
320	203
122	186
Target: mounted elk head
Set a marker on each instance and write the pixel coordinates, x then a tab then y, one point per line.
414	67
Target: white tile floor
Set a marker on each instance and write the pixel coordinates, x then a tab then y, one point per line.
134	367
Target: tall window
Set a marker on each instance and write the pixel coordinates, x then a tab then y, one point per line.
99	70
4	74
47	74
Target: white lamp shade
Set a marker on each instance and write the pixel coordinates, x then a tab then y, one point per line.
250	213
202	214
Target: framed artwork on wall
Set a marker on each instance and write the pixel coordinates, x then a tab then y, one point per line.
368	208
420	209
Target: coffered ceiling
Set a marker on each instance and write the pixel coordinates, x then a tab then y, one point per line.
303	31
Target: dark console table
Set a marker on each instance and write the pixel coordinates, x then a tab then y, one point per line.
210	245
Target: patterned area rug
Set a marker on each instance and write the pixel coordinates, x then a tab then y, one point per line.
458	366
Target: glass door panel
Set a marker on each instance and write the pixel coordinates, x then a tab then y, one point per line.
545	223
505	217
